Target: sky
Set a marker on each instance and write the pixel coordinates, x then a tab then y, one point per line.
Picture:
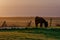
17	8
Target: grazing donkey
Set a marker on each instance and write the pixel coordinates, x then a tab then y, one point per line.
41	21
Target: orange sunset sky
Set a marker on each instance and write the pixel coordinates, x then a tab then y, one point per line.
16	8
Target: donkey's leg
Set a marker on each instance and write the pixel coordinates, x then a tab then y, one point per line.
46	24
36	25
41	24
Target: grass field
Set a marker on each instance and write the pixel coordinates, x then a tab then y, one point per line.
30	34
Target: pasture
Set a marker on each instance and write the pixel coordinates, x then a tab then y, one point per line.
30	34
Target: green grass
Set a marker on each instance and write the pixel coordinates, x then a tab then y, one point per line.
48	33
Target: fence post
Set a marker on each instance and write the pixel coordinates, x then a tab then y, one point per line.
50	21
